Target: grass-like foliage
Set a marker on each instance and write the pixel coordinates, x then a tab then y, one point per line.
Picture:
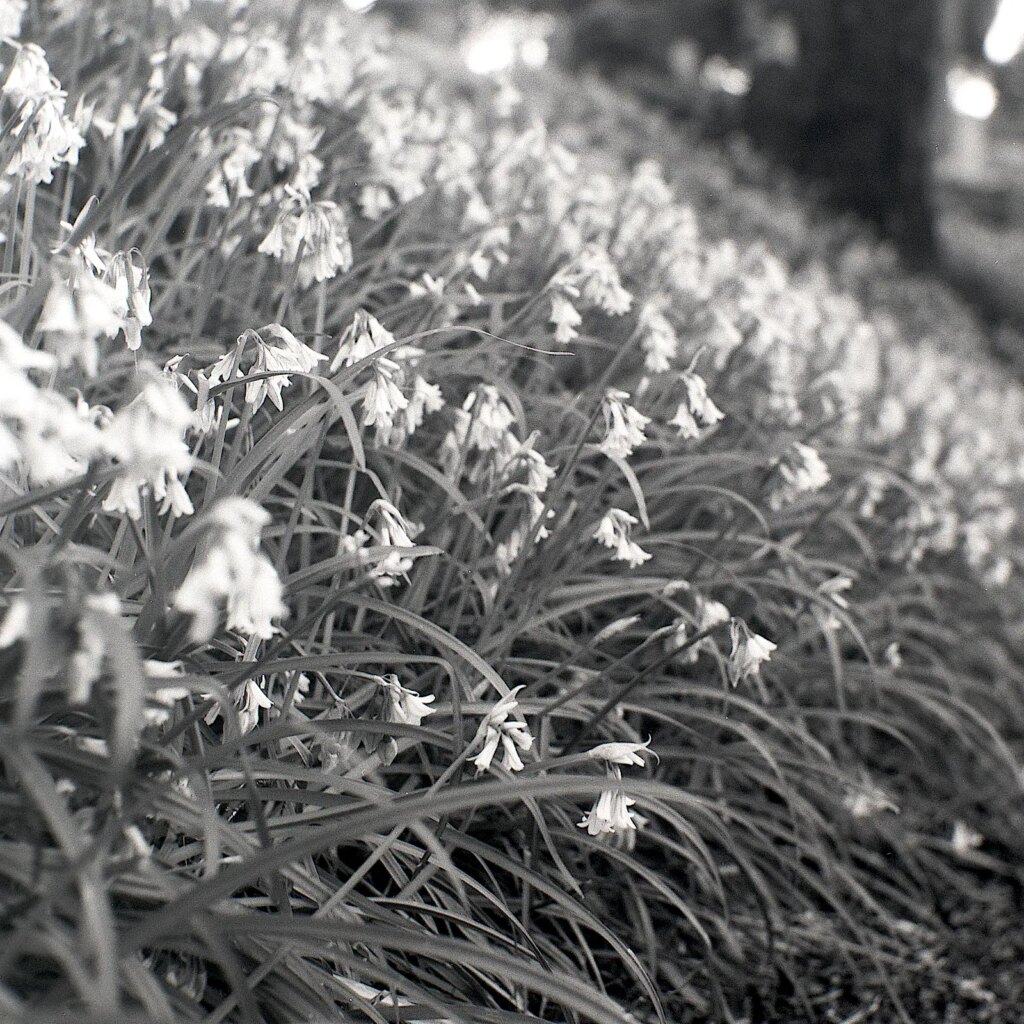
446	577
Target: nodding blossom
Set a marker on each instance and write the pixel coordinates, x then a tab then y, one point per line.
698	410
624	426
80	308
803	471
315	233
749	651
229	182
404	706
146	441
46	135
363	337
250	700
965	839
565	317
40	430
610	815
658	339
620	753
289	355
595	280
11	13
613	532
512	734
95	294
867	800
392	531
233	572
383	400
482	424
128	275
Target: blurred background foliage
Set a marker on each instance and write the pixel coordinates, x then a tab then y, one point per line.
909	114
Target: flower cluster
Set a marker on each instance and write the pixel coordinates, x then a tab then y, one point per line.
233	573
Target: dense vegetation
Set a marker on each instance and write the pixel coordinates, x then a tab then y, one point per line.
458	567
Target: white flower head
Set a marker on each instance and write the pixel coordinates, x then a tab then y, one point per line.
384	399
565	318
362	338
614	532
250	700
403	705
287	355
499	729
315	233
146	440
128	275
624	425
658	339
233	573
610	814
393	531
749	651
596	279
803	471
620	753
965	839
867	800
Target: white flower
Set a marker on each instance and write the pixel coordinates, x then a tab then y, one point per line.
363	337
803	471
610	814
565	317
229	179
697	398
316	233
233	572
11	13
427	285
128	276
867	801
893	655
965	839
48	137
595	278
16	623
512	735
78	310
146	440
658	339
291	355
749	651
613	532
426	398
684	422
404	706
710	613
624	426
250	700
383	400
487	419
620	753
393	531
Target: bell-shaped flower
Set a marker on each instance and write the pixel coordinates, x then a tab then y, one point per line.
624	426
749	651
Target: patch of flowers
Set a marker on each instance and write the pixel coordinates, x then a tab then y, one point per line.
377	470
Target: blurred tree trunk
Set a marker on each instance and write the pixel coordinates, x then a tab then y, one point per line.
855	113
868	68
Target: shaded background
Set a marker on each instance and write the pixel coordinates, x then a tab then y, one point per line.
909	113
